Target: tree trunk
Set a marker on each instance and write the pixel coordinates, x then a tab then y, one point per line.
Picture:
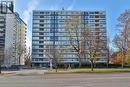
80	65
122	64
108	59
92	64
0	69
56	68
107	63
79	59
19	60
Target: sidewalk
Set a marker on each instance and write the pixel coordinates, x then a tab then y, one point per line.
25	72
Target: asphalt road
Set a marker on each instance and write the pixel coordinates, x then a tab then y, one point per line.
67	80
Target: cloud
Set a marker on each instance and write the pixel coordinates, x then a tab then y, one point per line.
57	6
71	5
54	7
27	15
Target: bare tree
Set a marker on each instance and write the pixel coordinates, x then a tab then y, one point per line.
124	24
110	54
21	52
85	39
58	55
127	59
8	56
54	54
9	59
28	58
92	45
73	29
119	41
122	39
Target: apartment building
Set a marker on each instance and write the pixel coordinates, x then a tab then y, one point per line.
50	39
12	35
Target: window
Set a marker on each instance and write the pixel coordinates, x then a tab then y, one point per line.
40	59
41	33
91	16
47	12
35	17
41	25
51	38
41	20
41	41
102	16
46	38
35	25
33	60
41	29
96	28
35	50
56	38
40	50
96	24
35	38
41	12
96	20
4	7
96	12
47	30
36	12
40	46
35	29
91	12
103	21
40	55
35	42
96	16
47	21
35	21
41	16
86	17
35	47
47	25
40	37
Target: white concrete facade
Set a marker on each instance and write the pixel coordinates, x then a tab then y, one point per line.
12	35
15	40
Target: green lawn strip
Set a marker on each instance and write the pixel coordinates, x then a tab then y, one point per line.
61	71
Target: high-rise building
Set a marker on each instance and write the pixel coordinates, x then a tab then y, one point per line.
12	35
50	39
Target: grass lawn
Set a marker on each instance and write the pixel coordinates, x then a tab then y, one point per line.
88	70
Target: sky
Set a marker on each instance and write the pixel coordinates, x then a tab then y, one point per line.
113	10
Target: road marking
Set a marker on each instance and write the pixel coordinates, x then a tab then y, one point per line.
98	78
72	86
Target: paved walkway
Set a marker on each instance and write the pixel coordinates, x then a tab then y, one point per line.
25	72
